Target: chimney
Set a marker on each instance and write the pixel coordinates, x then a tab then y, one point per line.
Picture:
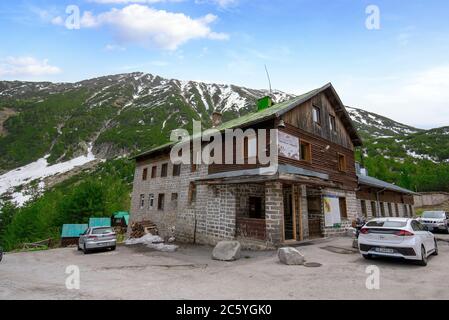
264	103
216	119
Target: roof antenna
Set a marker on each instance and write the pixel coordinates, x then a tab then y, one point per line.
268	76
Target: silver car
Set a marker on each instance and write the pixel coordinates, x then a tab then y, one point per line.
435	220
97	238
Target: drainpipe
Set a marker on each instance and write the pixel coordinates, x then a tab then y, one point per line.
378	201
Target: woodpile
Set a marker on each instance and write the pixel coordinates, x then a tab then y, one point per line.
139	229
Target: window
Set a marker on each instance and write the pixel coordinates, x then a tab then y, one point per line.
410	210
316	115
390	212
153	172
151	201
363	204
373	209
145	174
192	193
142	201
252	147
396	207
160	201
405	211
341	162
176	170
164	170
256	210
174	200
332	123
343	209
306	151
382	209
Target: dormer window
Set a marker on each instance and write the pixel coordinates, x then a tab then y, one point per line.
316	112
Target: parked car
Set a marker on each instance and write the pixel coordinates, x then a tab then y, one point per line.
397	238
1	253
435	220
97	238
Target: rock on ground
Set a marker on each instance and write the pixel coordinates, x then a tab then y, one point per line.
227	251
290	256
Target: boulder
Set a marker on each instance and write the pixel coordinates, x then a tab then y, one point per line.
290	256
226	251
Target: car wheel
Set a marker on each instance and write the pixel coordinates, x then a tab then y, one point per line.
367	256
423	261
447	230
435	253
85	250
78	247
113	248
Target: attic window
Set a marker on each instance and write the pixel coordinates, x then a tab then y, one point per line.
316	115
145	174
332	124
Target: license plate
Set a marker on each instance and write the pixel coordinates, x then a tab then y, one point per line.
384	250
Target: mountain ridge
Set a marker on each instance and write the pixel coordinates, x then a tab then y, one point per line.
53	125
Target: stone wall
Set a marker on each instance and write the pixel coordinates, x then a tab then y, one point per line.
429	199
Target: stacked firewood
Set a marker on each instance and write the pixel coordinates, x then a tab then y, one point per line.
139	229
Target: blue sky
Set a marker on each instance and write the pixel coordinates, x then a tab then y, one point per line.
400	70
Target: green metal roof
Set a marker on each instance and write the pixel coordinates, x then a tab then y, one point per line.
269	113
99	222
73	230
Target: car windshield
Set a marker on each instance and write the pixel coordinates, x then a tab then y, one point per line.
387	224
434	215
102	231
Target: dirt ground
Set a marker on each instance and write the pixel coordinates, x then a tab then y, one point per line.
140	273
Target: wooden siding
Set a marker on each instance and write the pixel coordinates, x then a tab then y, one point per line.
301	117
370	194
324	161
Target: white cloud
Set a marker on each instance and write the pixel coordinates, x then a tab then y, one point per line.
420	99
132	1
159	28
223	4
26	66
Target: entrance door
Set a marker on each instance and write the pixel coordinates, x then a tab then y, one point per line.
289	233
315	216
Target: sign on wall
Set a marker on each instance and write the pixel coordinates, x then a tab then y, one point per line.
331	211
288	145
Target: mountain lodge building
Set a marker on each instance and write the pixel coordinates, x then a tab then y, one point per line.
314	191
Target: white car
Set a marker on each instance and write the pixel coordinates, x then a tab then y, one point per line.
435	220
397	238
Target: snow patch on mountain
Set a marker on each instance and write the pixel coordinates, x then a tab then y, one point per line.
37	171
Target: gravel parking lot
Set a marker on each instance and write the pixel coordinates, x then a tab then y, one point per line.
140	273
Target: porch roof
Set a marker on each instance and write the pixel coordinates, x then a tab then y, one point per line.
265	174
373	182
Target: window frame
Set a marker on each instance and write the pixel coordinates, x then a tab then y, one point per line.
145	174
176	171
161	202
151	201
332	123
345	164
316	115
309	149
142	201
154	172
164	170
